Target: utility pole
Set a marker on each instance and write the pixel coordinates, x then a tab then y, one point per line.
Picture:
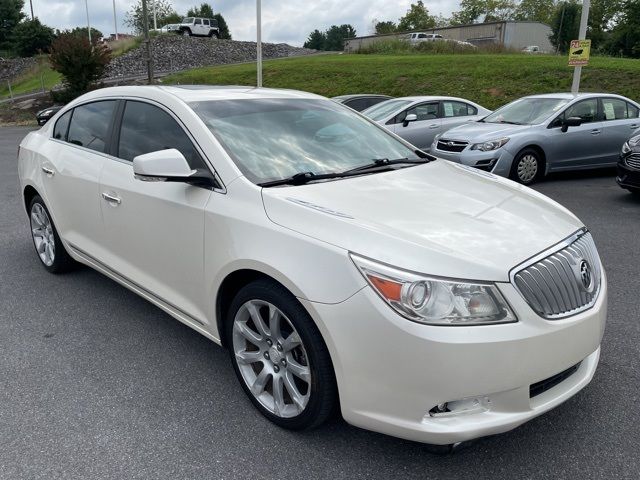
559	37
155	20
145	29
31	5
259	41
577	72
115	20
86	6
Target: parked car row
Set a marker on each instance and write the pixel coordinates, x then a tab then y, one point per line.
524	140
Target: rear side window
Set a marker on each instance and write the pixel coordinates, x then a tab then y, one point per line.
205	22
198	21
147	128
90	125
457	109
614	109
357	104
587	110
62	126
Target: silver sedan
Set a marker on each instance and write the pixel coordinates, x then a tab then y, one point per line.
535	135
419	119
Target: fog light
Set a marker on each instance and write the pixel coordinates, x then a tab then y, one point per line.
465	406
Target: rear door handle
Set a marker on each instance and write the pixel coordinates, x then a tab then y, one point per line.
111	198
634	126
596	131
48	171
434	125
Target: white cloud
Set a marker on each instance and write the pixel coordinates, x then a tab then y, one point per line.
288	21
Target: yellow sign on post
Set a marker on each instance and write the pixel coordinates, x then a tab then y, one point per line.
579	51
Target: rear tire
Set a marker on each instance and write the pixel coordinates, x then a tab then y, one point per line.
527	167
46	240
279	356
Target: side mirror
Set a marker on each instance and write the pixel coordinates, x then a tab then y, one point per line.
571	122
412	117
168	166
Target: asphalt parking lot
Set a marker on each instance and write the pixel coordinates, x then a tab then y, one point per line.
95	382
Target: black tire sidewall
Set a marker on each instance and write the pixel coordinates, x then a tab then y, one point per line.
323	385
514	167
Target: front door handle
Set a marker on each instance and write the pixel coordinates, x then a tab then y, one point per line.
596	131
112	199
634	126
48	171
434	125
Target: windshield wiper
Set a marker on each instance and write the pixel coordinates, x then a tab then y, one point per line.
377	165
511	123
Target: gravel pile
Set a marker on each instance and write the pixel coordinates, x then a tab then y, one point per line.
173	53
14	67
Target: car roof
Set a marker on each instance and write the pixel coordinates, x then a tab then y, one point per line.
198	93
571	96
360	95
428	98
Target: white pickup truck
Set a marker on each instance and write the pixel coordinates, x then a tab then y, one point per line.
199	27
424	37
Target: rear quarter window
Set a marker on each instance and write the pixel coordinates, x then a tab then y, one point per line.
62	126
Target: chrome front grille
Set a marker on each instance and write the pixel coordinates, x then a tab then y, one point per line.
451	145
633	160
564	282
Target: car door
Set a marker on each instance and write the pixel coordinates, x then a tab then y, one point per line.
154	231
205	26
455	113
578	146
422	131
71	174
620	120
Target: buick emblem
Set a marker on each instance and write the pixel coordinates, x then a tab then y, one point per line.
586	277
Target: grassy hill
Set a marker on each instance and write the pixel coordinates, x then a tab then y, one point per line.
489	79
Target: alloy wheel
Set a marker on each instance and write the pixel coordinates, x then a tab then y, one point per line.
271	358
527	168
42	232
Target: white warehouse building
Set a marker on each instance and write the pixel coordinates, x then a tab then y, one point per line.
510	34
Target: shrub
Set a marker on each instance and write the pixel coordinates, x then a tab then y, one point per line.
30	37
80	63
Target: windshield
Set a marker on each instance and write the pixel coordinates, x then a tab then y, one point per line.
271	139
187	20
384	109
527	111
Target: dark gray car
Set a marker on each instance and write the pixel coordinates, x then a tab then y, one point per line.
535	135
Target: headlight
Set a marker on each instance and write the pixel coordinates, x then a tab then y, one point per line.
634	141
436	138
435	301
626	148
46	112
488	146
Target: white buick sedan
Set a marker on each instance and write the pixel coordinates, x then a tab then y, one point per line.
339	265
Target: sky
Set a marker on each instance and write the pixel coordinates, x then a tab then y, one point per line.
286	21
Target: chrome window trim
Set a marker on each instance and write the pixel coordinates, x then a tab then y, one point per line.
207	161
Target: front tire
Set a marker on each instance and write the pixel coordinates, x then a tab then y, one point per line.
527	167
46	240
186	32
280	357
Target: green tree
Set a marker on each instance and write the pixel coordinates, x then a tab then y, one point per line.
316	40
30	37
80	63
223	28
625	35
174	17
565	24
10	16
134	18
535	11
205	11
82	32
472	11
602	16
382	28
416	18
336	35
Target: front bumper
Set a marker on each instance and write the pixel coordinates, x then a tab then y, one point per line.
391	372
498	161
628	177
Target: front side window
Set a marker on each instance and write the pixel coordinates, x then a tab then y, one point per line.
424	111
634	112
90	124
197	22
272	139
527	111
187	20
457	109
61	127
587	110
146	128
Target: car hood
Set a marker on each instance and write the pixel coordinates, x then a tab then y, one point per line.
439	218
478	132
